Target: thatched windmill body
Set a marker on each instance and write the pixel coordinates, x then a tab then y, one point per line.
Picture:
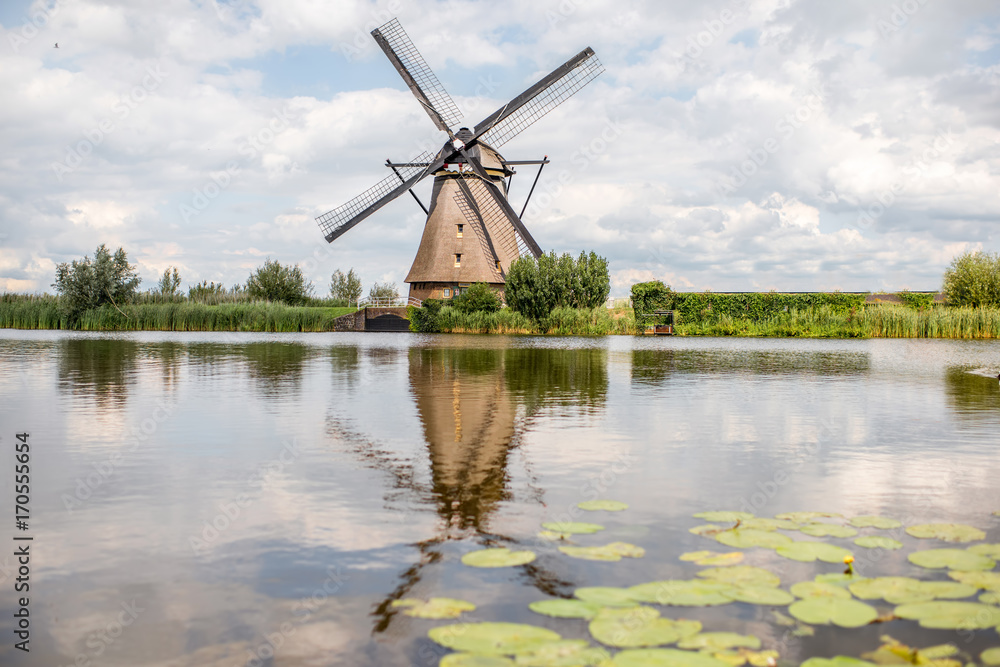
472	233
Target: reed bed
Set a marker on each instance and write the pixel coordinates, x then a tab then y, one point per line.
561	322
184	315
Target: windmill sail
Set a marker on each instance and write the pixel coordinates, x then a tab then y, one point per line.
345	216
478	204
418	76
524	110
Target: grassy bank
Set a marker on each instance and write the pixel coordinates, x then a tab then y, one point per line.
562	321
825	321
43	313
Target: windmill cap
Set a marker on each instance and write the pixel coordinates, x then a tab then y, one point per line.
464	134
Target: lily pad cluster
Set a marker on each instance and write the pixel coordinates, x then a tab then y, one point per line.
621	618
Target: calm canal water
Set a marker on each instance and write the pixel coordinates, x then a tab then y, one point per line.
261	499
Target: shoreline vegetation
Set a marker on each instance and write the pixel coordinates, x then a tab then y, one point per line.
706	315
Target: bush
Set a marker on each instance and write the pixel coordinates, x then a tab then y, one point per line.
345	287
479	297
425	319
536	287
275	282
973	280
650	297
107	280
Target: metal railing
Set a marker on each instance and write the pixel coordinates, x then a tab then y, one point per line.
389	302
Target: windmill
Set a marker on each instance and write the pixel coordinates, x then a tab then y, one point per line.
470	176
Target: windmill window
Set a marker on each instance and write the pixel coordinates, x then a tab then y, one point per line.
460	229
446	293
458	259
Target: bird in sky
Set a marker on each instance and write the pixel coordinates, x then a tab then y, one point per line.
57	45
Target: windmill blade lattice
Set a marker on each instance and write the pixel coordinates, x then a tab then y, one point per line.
524	110
502	234
418	76
345	216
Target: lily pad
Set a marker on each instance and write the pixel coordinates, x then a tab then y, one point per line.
573	527
719	641
602	505
744	538
713	557
871	521
639	626
565	608
988	580
828	530
807	517
895	652
665	657
742	575
837	661
724	517
837	578
951	615
500	557
492	638
815	589
684	593
827	610
906	590
953	559
606	596
435	608
759	523
475	660
990	597
609	552
878	542
988	550
707	529
949	532
808	552
566	653
990	657
762	595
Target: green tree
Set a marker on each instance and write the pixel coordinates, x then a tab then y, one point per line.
276	282
479	296
346	287
536	287
385	290
973	279
170	282
86	284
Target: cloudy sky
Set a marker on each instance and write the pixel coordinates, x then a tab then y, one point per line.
730	144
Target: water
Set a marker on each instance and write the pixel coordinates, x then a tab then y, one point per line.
261	499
